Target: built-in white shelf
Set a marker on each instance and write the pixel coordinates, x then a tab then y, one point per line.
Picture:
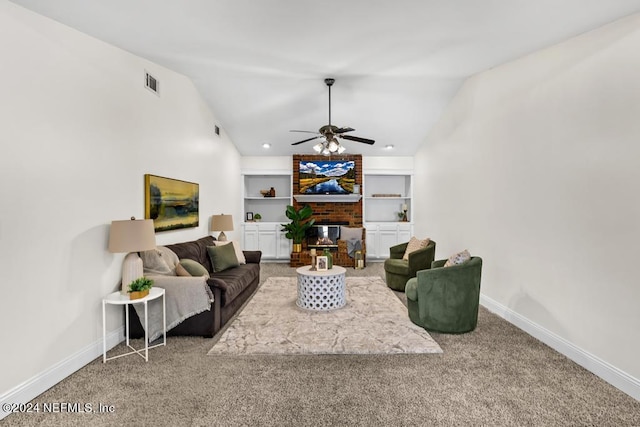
267	198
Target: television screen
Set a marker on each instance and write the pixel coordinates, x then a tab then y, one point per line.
327	177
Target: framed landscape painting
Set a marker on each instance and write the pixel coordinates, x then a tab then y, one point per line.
170	203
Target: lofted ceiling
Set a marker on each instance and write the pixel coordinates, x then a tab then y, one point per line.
261	64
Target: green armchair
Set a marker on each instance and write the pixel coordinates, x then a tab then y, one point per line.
446	299
397	271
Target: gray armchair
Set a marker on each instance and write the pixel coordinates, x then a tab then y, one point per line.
398	271
446	299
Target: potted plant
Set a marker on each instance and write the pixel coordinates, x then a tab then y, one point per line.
257	217
297	228
139	288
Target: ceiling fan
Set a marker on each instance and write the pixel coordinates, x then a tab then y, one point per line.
329	132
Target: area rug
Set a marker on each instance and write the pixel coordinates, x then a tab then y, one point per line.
374	321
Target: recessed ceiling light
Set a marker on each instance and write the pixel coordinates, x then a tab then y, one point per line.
266	145
388	147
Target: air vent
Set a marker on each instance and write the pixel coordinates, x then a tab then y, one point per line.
151	83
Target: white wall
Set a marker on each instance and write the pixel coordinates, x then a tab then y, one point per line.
535	168
78	131
268	164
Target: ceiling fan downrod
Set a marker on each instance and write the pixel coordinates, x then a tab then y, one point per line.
329	83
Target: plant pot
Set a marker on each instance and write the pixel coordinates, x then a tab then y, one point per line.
138	294
297	247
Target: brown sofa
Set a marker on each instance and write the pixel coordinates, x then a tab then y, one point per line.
231	288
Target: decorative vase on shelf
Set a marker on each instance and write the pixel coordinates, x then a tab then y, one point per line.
327	253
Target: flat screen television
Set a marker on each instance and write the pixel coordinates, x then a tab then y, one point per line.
327	176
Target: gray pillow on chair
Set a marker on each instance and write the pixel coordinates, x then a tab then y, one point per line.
350	233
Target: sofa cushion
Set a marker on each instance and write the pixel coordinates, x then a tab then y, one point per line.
457	259
236	280
414	245
236	247
194	268
397	266
222	257
195	250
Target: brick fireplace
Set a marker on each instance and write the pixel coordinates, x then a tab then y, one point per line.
347	213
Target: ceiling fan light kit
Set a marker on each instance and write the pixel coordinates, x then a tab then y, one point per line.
331	145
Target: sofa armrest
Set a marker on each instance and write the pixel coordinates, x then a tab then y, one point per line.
253	257
438	263
217	284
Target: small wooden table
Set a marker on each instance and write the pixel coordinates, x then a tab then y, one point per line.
321	290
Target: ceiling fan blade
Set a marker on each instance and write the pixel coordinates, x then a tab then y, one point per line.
344	130
303	131
305	140
358	139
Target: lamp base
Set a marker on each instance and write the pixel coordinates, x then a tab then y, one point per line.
132	269
222	237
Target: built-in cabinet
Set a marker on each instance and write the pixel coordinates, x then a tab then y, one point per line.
385	194
265	234
266	237
382	235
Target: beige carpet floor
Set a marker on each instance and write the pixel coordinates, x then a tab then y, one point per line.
373	321
496	375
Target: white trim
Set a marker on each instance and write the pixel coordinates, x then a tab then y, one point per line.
330	198
40	383
614	376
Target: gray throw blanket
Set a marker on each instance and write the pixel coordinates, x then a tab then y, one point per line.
353	246
185	297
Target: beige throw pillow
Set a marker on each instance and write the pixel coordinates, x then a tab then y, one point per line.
236	247
457	259
181	271
414	245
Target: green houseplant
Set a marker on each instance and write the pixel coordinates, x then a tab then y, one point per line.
300	223
139	288
257	217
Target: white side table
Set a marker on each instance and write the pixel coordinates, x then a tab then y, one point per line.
117	298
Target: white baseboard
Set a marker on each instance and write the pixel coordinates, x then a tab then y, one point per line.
37	385
614	376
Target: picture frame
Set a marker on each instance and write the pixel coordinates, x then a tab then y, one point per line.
171	203
249	217
322	263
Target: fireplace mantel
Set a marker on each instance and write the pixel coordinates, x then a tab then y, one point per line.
328	198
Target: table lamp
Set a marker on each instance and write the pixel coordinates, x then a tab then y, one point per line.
131	236
222	223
